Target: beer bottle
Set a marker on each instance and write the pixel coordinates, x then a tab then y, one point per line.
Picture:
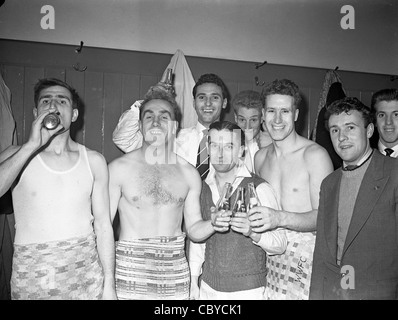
223	202
253	197
239	205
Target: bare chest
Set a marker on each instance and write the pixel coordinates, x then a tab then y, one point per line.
157	186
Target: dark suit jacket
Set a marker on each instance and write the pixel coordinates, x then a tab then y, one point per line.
371	245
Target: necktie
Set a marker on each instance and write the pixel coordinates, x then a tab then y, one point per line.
202	160
388	151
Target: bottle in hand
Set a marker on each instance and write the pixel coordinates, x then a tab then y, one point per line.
253	197
239	205
223	202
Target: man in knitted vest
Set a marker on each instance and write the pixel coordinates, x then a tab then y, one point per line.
356	249
232	264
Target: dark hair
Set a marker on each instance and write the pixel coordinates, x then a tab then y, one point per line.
230	126
162	95
349	103
211	78
248	99
284	87
383	95
51	82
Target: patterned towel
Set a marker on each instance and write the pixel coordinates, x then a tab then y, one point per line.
289	274
57	270
152	269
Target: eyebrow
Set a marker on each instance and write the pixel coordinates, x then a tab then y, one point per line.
57	96
161	112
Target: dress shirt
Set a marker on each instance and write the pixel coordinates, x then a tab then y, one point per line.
381	148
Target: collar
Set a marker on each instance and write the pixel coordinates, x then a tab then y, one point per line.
365	157
381	148
200	127
242	172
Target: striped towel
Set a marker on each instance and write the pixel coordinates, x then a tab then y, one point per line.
152	269
57	270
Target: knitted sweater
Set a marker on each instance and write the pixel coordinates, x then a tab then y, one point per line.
232	261
349	187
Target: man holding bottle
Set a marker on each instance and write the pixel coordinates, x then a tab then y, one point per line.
233	262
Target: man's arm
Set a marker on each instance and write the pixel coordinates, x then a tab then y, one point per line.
196	259
102	222
13	159
115	191
318	165
198	229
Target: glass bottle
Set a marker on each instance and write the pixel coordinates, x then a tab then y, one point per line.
253	197
239	205
223	202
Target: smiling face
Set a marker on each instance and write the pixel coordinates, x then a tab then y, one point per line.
209	103
57	99
349	136
279	116
249	120
387	122
157	122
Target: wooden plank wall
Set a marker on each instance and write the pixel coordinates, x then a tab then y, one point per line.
114	79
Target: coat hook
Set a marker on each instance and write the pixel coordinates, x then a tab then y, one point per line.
337	68
259	65
79	49
257	82
77	67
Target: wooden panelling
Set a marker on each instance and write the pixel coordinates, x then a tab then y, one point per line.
114	79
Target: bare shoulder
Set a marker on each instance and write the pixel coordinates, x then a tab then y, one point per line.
95	157
263	152
189	171
313	149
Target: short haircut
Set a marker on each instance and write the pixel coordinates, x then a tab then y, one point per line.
162	95
383	95
211	78
284	87
348	104
51	82
247	99
229	126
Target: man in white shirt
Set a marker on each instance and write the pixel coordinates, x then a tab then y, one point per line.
248	108
385	108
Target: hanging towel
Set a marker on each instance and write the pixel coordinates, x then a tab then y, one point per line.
8	133
183	85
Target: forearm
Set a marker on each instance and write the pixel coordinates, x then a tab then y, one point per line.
272	242
201	230
12	166
298	221
106	251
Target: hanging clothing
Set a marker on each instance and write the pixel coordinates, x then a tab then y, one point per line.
8	137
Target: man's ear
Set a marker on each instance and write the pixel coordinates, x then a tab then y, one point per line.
296	114
370	130
224	103
35	112
75	114
236	118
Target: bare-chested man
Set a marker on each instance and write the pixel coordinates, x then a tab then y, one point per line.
154	189
295	167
